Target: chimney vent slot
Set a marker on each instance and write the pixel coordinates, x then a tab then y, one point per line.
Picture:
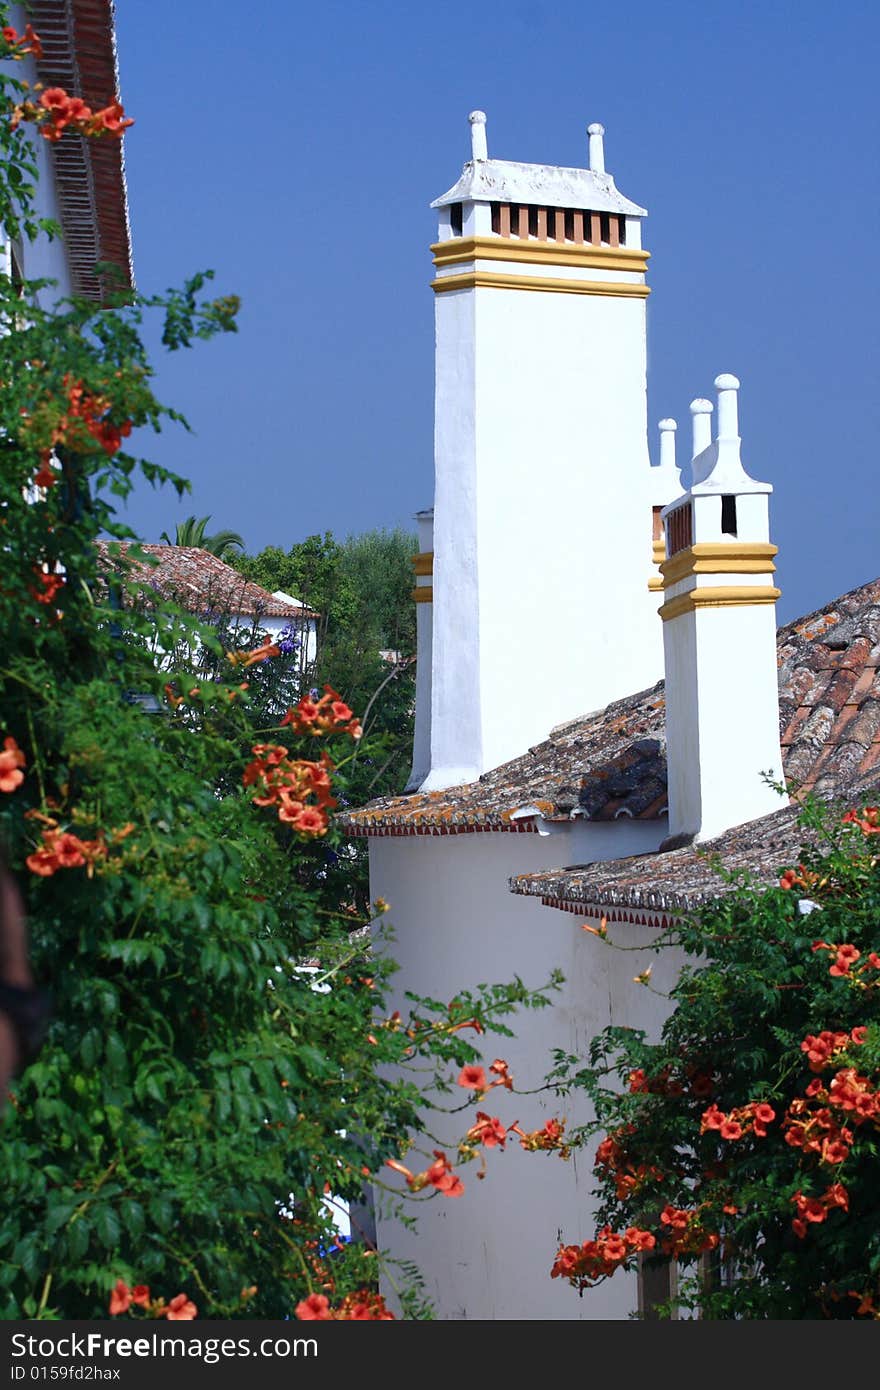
728	515
536	223
679	530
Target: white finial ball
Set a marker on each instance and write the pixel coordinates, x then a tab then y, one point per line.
665	425
477	118
726	382
701	407
595	129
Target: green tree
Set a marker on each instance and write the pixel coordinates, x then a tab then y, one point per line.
361	591
745	1143
191	532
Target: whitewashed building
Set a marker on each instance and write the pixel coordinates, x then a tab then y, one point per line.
210	589
551	533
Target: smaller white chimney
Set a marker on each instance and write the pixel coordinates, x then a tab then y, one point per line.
667	430
701	419
423	596
719	637
665	478
665	487
479	147
596	133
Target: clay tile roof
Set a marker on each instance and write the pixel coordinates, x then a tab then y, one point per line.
613	763
200	583
657	887
79	54
595	766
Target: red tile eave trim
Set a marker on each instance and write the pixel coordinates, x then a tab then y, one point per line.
378	832
79	48
634	917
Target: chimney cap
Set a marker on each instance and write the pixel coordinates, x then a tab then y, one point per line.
488	180
664	425
701	406
727	382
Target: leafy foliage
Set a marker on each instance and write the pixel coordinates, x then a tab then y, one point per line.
745	1143
193	532
216	1067
361	588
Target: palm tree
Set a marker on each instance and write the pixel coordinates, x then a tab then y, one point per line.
192	533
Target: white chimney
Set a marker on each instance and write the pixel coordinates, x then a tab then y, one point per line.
666	482
596	132
719	636
479	145
665	487
423	594
701	420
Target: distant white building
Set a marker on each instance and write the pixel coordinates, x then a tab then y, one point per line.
555	545
207	587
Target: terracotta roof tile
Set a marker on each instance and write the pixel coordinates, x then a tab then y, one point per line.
592	767
871	759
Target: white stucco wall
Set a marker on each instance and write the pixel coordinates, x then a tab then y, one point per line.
42	258
488	1254
456	750
305	631
542	535
45	257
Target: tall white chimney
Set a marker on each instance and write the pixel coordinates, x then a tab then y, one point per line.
719	637
542	479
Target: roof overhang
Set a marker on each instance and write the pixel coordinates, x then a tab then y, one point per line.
507	181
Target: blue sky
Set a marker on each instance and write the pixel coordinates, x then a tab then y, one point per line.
296	152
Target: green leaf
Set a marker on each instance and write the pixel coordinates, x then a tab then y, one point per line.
90	1048
107	1226
132	1216
115	1055
161	1212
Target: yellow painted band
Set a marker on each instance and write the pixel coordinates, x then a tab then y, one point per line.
659	552
488	279
724	596
715	557
424	594
423	563
496	248
655	583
